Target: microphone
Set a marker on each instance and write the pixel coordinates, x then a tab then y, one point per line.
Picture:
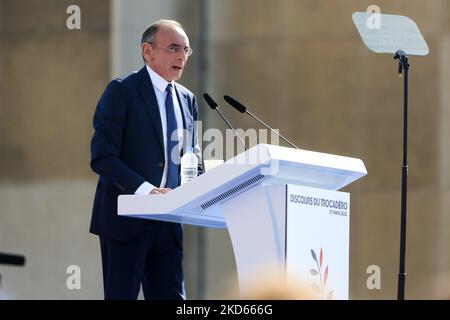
213	105
242	109
12	259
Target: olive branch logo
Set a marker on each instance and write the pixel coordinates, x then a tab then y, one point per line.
323	276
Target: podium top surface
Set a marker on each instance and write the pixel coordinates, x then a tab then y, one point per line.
196	202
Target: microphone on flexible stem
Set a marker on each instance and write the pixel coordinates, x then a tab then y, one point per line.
213	105
242	109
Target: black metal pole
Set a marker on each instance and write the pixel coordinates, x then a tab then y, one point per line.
403	68
12	259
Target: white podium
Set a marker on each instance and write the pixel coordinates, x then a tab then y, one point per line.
280	208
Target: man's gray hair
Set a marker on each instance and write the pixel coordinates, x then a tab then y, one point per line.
149	34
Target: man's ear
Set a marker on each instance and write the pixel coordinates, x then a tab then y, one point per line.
147	51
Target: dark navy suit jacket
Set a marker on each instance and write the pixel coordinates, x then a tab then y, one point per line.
127	149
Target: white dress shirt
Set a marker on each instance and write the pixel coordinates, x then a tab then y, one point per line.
160	85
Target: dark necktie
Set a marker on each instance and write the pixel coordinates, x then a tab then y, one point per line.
173	160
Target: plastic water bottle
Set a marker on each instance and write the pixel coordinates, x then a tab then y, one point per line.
189	166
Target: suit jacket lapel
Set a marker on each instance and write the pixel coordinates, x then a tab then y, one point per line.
148	94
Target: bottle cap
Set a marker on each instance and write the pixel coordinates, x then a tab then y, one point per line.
189	150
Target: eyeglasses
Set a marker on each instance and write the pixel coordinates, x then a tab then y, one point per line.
174	49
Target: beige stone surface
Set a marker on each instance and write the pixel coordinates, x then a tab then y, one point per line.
54	76
48	224
51	81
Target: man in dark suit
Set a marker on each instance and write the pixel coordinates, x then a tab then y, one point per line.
136	149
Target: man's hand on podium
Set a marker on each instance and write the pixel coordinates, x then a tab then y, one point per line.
160	190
